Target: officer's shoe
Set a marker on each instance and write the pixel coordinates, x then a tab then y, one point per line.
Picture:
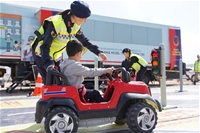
194	82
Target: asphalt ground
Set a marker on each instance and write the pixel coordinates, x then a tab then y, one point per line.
181	114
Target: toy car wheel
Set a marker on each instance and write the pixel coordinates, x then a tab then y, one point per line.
146	79
141	118
61	120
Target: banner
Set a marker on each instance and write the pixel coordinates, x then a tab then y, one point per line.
10	36
29	25
175	47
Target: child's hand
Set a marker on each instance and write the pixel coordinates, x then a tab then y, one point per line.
120	74
110	70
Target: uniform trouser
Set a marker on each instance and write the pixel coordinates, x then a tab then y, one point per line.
39	63
140	73
196	76
93	96
8	46
40	66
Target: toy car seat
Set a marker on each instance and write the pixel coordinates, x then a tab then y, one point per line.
82	92
55	77
127	77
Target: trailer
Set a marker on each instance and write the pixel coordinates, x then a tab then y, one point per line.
112	35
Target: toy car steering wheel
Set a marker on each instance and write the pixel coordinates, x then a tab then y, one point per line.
109	76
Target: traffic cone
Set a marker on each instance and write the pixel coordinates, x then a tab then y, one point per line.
38	86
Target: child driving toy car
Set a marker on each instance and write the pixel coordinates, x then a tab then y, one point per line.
76	72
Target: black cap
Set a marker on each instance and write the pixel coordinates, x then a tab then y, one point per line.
80	9
126	50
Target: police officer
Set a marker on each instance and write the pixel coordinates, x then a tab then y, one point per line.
52	37
135	62
196	69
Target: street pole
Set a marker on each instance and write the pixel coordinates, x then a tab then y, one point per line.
163	76
163	80
96	79
181	74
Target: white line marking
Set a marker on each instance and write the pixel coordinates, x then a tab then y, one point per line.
18	125
20	113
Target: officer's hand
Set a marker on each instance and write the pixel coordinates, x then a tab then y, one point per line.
120	75
51	68
103	57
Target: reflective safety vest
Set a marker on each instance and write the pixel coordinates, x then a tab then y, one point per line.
60	41
8	40
197	66
137	65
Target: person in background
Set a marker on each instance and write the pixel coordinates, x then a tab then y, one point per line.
27	52
196	69
76	72
135	62
56	31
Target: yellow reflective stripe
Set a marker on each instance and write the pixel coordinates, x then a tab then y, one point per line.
62	38
197	66
136	67
84	50
142	61
172	70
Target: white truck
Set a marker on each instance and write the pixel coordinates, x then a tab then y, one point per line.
112	35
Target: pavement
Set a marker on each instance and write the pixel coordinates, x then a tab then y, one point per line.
180	114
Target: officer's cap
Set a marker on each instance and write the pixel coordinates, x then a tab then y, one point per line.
126	50
80	9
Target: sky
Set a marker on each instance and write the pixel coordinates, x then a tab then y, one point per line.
183	14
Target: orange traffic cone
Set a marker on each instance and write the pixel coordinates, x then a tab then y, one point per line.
38	86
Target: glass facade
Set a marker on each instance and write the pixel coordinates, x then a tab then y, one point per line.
121	33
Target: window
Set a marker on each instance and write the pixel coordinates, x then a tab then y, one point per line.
103	31
1	22
88	29
154	36
139	35
9	30
122	33
17	32
17	23
9	23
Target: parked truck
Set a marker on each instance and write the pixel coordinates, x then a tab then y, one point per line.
112	35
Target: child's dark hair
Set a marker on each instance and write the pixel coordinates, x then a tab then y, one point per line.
73	47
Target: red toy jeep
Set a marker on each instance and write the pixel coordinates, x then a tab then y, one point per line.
126	102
